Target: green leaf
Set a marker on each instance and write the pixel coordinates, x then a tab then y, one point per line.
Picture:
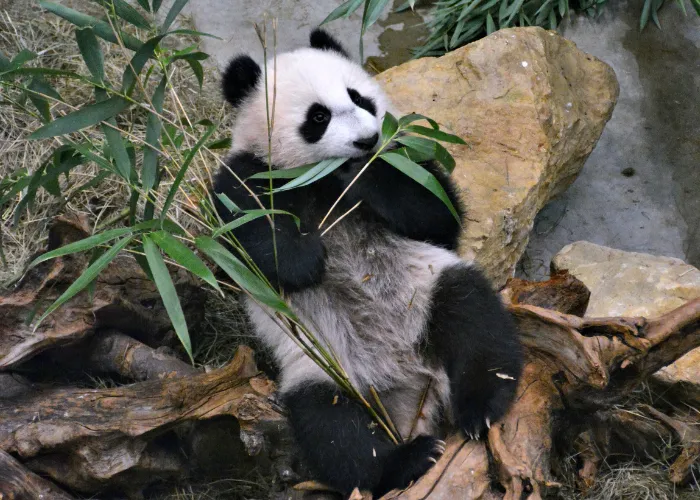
138	61
322	169
30	194
389	126
156	5
86	277
251	215
228	203
696	5
149	173
82	245
287	173
38	86
181	254
224	143
101	28
646	11
193	32
490	24
421	176
681	3
86	116
144	5
167	291
435	134
420	144
414	117
24	56
197	69
5	64
242	276
127	13
444	157
183	169
373	9
91	52
344	10
173	13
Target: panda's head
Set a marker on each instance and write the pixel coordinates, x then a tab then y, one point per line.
326	105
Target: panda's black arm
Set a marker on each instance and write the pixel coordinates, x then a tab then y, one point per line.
406	207
346	449
300	257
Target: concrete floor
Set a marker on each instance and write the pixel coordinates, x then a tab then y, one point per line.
655	130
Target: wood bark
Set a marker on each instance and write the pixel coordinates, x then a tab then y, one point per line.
19	483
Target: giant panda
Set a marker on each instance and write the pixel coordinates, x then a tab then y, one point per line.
384	288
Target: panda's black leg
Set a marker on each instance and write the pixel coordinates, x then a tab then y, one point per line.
475	338
346	449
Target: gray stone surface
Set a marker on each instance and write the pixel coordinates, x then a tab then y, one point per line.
654	130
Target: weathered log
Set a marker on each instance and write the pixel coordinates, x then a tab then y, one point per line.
124	298
563	292
114	353
19	483
90	440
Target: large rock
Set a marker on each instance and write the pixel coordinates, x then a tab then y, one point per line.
531	106
634	284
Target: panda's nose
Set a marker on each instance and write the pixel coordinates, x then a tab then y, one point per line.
366	143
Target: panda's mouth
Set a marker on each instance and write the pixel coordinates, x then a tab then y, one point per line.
366	143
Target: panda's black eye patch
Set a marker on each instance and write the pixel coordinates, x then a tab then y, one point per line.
366	103
317	119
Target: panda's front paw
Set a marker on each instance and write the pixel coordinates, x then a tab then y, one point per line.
484	403
408	463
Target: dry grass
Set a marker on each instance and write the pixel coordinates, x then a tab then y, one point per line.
54	41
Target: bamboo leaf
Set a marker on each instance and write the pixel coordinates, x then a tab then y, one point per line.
193	32
421	176
414	117
444	157
101	28
138	61
173	13
156	5
242	276
389	126
183	169
646	11
251	215
167	291
181	254
435	134
343	10
224	143
149	173
373	9
681	3
490	24
23	57
38	86
86	116
144	5
287	173
126	12
86	278
91	52
228	203
420	144
322	169
197	69
82	245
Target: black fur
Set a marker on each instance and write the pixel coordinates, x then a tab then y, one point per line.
404	206
317	119
345	448
300	255
240	79
475	338
366	103
321	40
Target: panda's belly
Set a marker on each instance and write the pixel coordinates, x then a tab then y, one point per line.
372	305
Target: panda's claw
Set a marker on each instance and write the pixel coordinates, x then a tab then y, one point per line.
431	459
488	423
441	443
439	449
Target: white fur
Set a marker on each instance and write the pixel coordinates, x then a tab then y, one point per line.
304	77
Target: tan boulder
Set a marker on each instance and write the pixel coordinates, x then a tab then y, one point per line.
531	107
634	284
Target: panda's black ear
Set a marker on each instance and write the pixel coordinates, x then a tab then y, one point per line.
323	41
240	79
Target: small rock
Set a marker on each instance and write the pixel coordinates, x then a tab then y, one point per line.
531	106
634	284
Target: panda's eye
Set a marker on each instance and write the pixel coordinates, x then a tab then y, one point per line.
320	117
